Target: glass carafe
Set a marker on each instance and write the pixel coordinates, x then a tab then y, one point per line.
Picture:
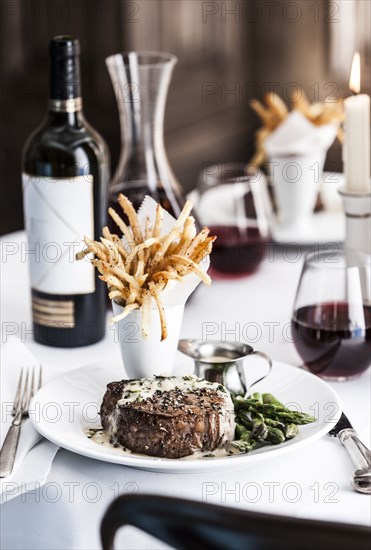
141	81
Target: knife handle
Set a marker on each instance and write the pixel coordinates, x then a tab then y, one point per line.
9	450
358	452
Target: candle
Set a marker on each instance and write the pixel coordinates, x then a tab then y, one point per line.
356	152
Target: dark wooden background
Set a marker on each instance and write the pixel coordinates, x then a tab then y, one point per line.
236	49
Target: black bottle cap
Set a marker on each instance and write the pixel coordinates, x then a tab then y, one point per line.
65	68
64	46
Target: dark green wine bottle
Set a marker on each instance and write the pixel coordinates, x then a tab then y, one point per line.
65	169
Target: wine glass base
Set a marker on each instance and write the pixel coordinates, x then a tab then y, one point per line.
341	378
223	275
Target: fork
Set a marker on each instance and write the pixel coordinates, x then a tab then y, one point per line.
25	392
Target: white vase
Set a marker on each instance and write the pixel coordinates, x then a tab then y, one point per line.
296	182
146	356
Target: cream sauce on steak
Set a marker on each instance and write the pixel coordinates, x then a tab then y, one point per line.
145	388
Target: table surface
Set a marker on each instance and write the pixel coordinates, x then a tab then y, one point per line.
313	482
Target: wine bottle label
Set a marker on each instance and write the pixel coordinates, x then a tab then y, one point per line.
53	313
58	214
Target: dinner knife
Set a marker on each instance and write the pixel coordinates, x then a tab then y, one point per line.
358	452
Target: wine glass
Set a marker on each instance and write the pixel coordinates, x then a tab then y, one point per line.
234	204
331	324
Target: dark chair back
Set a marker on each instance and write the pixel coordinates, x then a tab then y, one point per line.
191	525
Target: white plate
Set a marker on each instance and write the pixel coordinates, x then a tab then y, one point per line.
327	226
67	406
322	228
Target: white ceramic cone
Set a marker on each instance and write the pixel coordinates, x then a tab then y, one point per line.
146	356
296	181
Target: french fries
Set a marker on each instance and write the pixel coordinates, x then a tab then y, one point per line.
318	113
137	273
274	112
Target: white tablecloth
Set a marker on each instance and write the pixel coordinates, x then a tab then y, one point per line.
313	482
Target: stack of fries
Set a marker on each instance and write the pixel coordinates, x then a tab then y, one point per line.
141	269
274	112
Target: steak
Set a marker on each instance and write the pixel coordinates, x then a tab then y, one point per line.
168	417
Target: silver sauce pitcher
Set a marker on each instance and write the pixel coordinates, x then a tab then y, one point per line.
223	362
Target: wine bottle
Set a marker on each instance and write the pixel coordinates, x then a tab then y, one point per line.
65	167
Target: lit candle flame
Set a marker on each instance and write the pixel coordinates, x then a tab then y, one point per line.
355	74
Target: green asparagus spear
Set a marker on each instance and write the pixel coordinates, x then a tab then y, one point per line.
242	432
276	412
274	423
244	419
257	396
260	429
294	417
269	398
291	430
275	436
243	446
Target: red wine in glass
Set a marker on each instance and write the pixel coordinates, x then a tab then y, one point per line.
233	204
237	251
330	345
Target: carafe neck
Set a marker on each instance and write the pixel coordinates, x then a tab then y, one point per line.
142	131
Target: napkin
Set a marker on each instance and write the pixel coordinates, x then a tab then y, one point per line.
298	136
35	454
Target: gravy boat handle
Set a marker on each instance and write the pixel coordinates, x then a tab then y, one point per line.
240	369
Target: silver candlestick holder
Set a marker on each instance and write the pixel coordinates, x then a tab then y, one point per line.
357	207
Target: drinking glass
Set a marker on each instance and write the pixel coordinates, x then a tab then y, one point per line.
235	206
331	324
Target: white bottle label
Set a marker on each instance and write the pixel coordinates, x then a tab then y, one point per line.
58	213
